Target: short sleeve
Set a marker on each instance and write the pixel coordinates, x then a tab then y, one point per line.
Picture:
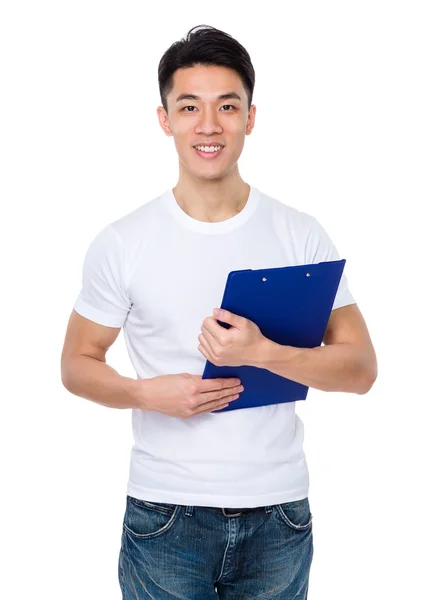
319	248
103	297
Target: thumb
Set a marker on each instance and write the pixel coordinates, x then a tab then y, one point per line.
228	317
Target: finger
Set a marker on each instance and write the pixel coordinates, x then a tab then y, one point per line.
208	342
218	395
216	331
226	316
216	381
215	405
204	353
207	385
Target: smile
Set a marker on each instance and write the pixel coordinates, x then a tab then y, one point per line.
209	154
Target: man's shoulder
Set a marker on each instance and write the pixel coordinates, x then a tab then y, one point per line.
142	219
285	213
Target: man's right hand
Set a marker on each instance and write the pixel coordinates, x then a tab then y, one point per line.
184	395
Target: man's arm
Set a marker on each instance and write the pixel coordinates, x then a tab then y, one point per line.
346	363
84	370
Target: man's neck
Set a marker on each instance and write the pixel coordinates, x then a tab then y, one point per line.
211	201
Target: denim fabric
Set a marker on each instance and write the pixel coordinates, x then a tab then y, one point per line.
199	553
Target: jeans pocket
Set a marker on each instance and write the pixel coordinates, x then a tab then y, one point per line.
296	514
146	519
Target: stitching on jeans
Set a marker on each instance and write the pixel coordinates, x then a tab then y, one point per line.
291	524
155	533
224	559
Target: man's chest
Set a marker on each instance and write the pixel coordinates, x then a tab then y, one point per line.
176	289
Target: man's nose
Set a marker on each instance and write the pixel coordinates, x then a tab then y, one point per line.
208	121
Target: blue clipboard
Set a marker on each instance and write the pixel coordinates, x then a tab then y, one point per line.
291	306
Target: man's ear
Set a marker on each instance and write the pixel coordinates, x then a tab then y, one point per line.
251	119
163	120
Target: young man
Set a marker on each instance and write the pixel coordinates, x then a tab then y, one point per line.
217	502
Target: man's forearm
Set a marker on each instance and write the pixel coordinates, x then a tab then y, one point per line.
95	380
331	368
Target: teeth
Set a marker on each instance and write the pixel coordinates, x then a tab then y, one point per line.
208	148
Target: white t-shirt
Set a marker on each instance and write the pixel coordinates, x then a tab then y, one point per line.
158	273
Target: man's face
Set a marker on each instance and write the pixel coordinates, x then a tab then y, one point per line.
207	120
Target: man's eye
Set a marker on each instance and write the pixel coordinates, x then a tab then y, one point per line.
224	105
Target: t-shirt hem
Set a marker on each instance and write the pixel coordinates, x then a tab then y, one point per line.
96	315
345	302
216	500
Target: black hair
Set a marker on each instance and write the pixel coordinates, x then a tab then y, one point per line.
206	46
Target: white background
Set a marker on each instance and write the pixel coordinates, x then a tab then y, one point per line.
339	134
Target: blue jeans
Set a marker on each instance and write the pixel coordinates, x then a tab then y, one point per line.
205	553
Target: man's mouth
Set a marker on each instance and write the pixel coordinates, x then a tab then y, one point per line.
209	152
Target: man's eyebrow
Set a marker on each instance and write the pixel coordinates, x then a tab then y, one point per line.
227	96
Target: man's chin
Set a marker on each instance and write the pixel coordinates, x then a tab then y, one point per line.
208	175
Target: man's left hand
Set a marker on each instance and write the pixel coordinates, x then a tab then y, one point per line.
232	347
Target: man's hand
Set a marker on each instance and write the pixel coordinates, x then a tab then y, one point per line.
184	395
232	347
